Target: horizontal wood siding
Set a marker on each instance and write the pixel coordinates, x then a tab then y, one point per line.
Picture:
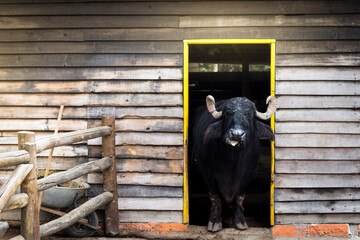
317	132
126	59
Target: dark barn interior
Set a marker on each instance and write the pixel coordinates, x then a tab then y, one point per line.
226	71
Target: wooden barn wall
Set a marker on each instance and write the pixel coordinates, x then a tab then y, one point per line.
125	59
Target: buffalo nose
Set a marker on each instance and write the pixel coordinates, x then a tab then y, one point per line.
237	133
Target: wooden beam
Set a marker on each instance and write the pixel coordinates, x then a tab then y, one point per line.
17	201
73	173
72	137
29	214
3	228
59	213
19	237
76	214
110	181
13	183
14	158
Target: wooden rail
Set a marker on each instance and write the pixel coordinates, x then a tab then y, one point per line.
62	139
26	175
9	201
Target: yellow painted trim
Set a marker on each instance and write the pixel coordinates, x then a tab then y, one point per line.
272	124
230	41
186	135
186	112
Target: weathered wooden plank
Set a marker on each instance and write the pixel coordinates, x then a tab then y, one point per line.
317	73
344	46
147	152
91	47
89	112
139	191
150	73
84	99
135	112
316	181
317	207
151	216
63	151
152	166
91	60
49	22
41	125
171	8
318	115
280	33
317	127
292	102
317	88
317	153
67	151
41	35
144	125
317	218
15	215
163	204
317	167
317	140
59	163
118	86
144	179
312	60
319	194
137	138
269	20
29	112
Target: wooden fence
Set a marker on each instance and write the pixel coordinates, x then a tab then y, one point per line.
25	175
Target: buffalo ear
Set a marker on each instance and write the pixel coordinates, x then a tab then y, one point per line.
264	131
213	131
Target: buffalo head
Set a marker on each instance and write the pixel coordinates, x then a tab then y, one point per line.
236	122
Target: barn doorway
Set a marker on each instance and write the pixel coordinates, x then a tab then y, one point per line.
227	70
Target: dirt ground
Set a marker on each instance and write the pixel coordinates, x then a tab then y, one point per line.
195	232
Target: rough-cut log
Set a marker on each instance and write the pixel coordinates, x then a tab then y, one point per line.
73	173
17	201
30	213
83	221
14	158
13	183
19	237
3	228
76	214
110	183
72	137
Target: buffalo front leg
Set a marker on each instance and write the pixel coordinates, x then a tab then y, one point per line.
239	219
215	221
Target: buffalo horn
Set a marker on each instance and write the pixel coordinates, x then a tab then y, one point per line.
271	101
210	103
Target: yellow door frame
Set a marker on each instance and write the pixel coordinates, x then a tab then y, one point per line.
186	112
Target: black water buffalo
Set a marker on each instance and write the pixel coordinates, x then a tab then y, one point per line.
225	148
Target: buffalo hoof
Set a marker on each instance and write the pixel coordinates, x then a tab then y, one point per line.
214	227
241	226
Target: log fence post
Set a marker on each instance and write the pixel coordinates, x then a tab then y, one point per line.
110	180
29	214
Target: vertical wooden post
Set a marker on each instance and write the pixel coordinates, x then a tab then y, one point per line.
110	182
29	214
